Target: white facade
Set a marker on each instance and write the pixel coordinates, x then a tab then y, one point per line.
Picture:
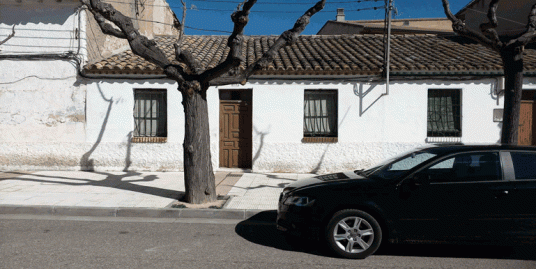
42	103
372	126
40	131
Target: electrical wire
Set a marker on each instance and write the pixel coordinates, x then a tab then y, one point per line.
240	2
37	77
72	56
287	3
257	11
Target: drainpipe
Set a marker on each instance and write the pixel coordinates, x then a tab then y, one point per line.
499	87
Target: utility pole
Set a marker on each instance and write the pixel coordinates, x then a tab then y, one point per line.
389	7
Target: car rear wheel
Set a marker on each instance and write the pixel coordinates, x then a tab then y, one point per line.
353	234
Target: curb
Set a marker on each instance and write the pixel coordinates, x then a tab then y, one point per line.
128	212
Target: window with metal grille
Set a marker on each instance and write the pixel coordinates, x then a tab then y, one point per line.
150	113
444	113
320	113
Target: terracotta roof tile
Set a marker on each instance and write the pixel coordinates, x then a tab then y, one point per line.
328	55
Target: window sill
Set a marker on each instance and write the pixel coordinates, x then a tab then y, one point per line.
444	140
320	140
141	139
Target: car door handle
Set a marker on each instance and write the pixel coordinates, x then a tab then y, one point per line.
501	193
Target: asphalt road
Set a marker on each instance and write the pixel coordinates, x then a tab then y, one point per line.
89	242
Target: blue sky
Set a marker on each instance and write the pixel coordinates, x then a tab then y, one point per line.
272	17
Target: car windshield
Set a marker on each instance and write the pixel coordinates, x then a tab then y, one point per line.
399	164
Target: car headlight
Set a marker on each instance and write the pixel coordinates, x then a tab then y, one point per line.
298	201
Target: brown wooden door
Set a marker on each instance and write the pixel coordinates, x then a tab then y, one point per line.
235	134
526	123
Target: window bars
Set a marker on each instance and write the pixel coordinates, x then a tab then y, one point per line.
150	113
444	113
320	113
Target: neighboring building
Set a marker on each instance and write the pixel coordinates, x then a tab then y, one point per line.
341	26
512	19
42	95
150	17
322	105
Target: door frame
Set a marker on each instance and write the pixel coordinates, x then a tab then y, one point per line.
242	96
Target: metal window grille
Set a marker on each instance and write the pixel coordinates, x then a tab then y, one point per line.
150	113
320	113
444	113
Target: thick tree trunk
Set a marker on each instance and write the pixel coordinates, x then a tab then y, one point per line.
513	75
198	172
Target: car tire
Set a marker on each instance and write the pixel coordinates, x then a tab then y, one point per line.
353	234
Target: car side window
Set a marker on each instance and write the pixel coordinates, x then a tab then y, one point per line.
524	165
466	167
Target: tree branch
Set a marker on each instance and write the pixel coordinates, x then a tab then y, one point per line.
106	27
460	28
9	36
530	34
489	27
139	44
240	19
181	29
285	39
185	55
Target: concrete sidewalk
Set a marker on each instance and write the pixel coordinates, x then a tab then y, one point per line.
141	193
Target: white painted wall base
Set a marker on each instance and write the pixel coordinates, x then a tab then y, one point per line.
323	158
107	156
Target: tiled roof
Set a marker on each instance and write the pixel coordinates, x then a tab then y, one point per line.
330	55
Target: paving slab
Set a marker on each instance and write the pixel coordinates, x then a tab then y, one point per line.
260	191
135	194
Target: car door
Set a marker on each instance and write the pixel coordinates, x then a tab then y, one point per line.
453	198
519	204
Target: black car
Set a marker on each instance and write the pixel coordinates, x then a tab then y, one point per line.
470	194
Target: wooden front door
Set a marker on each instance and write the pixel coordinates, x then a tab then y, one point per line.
235	134
526	130
526	126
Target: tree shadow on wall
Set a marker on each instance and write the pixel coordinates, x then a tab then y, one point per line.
117	181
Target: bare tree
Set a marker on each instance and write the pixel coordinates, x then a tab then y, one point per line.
511	51
194	82
9	36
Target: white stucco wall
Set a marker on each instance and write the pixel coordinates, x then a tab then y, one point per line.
110	124
42	102
40	27
372	126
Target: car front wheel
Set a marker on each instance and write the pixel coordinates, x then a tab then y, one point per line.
353	234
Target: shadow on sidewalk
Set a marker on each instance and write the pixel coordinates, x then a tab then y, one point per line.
111	181
261	229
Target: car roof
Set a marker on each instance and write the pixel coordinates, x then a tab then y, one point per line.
447	149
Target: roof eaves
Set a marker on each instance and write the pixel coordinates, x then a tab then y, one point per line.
447	73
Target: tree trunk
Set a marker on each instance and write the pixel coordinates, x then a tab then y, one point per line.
513	74
198	172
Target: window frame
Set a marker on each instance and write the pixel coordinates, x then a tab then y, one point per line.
332	137
457	109
160	95
513	170
501	173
